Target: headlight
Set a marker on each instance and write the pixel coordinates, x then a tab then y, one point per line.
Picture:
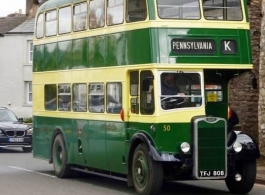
185	147
30	131
237	147
1	131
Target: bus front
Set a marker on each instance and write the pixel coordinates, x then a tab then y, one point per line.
199	45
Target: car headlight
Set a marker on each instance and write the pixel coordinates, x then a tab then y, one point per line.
237	147
185	147
1	131
30	131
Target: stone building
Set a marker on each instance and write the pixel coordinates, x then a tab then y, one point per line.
249	103
261	112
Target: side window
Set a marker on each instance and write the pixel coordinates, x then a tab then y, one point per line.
64	97
114	97
50	97
40	25
115	12
96	97
51	23
79	103
97	14
65	20
134	86
80	17
136	10
214	92
147	101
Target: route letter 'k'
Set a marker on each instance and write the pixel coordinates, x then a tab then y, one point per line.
227	46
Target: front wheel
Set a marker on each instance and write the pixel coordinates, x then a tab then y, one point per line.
61	168
247	170
147	174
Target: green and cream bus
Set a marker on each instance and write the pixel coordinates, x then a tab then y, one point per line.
98	76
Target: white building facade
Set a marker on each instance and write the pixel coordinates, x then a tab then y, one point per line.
16	53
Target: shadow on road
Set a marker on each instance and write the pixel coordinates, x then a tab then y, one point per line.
169	188
11	150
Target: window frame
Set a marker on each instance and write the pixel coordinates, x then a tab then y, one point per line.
28	91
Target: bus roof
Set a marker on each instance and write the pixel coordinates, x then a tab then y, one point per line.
56	3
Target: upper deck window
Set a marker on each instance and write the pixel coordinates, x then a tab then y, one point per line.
136	10
222	10
97	14
65	20
115	12
40	25
80	17
181	9
51	23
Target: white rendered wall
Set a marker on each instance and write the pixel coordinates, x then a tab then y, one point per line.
15	69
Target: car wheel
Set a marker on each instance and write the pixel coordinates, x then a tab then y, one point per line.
59	156
27	149
247	170
147	174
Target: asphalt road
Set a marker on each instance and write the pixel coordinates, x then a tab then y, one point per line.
21	174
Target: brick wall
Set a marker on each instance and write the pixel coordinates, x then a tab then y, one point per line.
242	97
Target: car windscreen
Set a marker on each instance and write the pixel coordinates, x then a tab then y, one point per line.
7	116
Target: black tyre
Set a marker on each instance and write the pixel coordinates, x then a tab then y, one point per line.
147	174
59	156
27	149
247	169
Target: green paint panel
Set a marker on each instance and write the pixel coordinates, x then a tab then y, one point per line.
100	144
242	55
80	53
50	57
64	55
39	60
104	144
140	47
96	52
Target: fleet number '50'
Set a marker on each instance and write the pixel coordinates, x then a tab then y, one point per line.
166	128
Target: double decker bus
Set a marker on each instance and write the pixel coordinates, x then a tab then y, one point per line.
137	90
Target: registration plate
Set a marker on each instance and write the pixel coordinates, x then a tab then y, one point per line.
16	139
217	173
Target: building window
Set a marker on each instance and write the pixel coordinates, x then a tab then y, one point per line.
29	92
30	51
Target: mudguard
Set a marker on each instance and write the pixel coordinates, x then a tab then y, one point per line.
250	150
143	137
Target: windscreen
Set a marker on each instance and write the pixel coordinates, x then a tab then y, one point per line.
230	10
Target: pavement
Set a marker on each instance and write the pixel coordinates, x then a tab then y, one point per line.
260	177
